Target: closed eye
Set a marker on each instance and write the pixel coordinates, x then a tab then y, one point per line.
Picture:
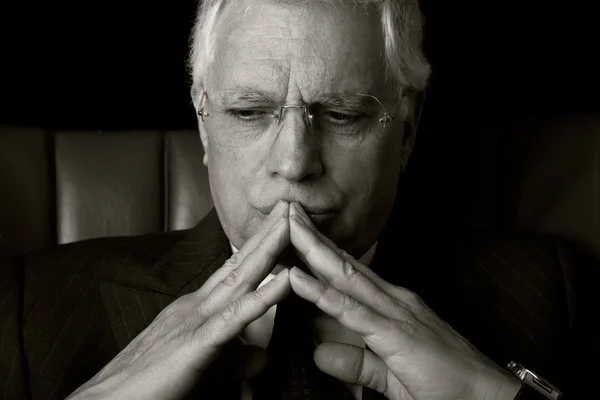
247	115
341	118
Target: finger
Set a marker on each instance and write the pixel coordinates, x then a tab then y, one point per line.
282	208
352	364
339	272
296	209
252	270
222	327
349	312
382	334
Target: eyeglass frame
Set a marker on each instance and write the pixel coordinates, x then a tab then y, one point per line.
387	118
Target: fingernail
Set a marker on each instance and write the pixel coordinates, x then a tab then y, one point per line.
299	219
298	272
278	206
299	209
278	223
281	275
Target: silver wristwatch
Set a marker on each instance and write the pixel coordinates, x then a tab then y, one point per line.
534	381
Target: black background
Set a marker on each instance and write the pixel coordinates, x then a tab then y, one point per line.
121	64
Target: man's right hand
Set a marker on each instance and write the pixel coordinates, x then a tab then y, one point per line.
166	360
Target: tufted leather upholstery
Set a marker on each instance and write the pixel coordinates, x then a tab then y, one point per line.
541	174
69	186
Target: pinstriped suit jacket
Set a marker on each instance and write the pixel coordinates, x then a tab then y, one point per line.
66	312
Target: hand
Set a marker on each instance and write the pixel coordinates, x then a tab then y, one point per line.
412	353
166	360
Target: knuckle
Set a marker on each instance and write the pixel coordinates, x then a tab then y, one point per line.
412	298
407	299
361	371
231	311
348	274
341	252
257	297
368	376
328	293
407	323
348	305
382	299
203	310
232	278
235	258
349	270
170	312
354	276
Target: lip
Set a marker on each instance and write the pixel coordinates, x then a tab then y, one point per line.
315	217
318	218
316	211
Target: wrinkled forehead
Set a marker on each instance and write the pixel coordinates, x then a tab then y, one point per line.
283	49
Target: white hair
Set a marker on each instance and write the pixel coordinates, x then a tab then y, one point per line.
401	22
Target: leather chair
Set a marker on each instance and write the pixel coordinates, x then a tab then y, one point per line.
63	187
58	187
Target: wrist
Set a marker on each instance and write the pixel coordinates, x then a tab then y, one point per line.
502	386
509	388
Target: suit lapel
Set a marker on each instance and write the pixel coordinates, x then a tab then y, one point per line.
135	301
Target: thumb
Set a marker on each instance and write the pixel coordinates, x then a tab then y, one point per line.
352	364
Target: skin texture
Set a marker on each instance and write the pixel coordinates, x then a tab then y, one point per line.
412	355
294	54
192	342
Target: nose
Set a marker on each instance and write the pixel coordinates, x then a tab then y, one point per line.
295	155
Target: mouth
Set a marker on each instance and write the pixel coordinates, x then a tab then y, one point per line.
318	218
312	212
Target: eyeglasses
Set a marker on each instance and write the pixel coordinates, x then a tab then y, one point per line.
341	121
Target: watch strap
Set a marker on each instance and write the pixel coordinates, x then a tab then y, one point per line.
533	386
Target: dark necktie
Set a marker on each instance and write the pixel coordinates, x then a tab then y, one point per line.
292	373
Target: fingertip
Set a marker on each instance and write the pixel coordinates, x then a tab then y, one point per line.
298	278
282	282
298	273
282	275
305	285
278	207
324	353
328	359
340	360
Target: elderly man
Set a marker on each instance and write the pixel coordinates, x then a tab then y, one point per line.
307	112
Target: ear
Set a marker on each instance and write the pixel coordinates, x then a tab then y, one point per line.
196	93
414	108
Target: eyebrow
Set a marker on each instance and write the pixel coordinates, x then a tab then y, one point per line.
247	96
344	100
353	101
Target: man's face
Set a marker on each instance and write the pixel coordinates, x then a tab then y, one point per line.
294	55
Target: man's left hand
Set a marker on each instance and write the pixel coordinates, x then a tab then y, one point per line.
412	353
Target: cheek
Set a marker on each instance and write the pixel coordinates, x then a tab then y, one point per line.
225	170
230	173
369	179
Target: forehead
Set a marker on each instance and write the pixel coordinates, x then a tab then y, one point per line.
309	50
